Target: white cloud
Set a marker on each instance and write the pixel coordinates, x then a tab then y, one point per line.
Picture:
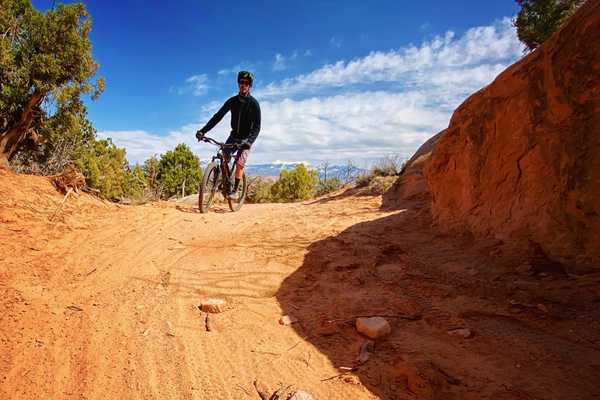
383	103
197	84
229	71
335	42
452	56
349	126
282	62
139	144
244	65
352	125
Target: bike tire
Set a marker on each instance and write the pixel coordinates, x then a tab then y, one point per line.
208	187
235	205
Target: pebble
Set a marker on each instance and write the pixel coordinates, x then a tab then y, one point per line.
213	305
287	320
365	352
373	327
301	395
462	332
542	308
328	330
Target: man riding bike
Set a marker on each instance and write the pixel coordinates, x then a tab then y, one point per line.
245	126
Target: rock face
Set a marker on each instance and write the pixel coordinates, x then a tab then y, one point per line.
521	158
412	184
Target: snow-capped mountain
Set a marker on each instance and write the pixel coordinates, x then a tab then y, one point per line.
338	171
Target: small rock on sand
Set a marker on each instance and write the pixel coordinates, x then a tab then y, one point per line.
301	395
213	305
373	327
287	320
328	329
365	352
542	308
462	332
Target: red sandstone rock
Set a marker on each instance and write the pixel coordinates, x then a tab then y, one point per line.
521	158
373	327
412	185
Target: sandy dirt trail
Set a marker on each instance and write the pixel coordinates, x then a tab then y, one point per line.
107	308
102	302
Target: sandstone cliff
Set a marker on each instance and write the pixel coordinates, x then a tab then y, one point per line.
520	159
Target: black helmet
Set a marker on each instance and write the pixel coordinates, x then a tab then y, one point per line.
245	75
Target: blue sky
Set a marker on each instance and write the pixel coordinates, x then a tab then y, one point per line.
336	80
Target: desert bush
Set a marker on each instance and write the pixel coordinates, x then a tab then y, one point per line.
178	172
380	184
364	179
259	190
106	169
387	166
153	186
539	19
327	186
294	185
137	187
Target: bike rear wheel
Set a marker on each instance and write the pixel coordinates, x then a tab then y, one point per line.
235	205
208	187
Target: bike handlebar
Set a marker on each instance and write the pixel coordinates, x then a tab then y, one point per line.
221	145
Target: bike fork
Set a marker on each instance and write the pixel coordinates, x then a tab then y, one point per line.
226	175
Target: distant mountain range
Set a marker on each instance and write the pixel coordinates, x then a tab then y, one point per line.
272	170
338	171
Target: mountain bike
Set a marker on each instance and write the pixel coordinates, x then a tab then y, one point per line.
218	178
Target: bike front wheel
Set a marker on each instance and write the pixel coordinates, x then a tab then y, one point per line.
208	187
235	205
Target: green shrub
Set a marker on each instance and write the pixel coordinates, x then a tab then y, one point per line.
539	19
294	185
46	68
106	169
150	170
179	172
387	166
364	179
259	190
328	185
136	184
380	184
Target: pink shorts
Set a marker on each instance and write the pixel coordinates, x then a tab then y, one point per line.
241	158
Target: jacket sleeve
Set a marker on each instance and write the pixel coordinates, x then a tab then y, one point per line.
255	125
217	117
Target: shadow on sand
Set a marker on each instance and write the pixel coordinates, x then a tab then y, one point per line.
427	285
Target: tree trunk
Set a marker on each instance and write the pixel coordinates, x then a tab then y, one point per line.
15	134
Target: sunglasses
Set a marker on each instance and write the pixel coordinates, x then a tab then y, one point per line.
243	82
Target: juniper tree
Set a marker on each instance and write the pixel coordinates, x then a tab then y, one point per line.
539	19
46	64
179	171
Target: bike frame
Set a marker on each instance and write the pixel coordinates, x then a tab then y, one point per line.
220	165
224	167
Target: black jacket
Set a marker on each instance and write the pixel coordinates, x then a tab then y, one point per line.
245	118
